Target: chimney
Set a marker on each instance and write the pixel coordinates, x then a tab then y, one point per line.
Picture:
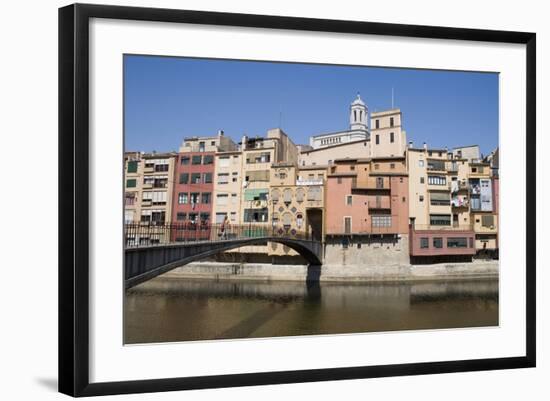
220	132
425	146
410	144
243	142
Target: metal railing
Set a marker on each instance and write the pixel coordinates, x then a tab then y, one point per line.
143	234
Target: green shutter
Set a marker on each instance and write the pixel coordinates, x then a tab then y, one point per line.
251	194
132	166
131	183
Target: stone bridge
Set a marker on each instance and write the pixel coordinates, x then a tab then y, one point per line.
143	263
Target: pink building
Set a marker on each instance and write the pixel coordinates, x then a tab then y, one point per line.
367	196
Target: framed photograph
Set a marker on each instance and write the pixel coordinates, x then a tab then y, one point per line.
252	199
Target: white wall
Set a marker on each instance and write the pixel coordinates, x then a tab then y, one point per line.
29	140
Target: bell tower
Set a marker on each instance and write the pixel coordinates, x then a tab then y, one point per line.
358	115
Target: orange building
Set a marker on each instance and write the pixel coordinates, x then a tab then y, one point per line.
367	211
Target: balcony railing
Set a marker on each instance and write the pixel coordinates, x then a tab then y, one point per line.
435	227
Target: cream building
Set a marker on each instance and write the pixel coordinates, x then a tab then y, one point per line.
388	139
228	187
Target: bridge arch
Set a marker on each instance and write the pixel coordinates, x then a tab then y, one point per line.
144	263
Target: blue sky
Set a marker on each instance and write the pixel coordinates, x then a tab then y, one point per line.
167	99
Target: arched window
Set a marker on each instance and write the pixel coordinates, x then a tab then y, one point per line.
287	220
287	195
275	195
300	195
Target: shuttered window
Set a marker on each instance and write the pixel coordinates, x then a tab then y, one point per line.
132	166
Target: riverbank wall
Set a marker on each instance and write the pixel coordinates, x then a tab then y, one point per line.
336	273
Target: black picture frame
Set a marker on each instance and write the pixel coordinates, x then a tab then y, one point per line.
74	201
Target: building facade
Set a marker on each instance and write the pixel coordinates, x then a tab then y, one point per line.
193	194
366	195
148	193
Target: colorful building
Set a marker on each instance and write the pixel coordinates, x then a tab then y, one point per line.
194	182
148	195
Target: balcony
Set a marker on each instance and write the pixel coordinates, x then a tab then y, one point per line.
372	184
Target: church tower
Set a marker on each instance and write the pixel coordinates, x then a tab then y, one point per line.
358	115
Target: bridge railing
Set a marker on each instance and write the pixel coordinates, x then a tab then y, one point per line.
150	234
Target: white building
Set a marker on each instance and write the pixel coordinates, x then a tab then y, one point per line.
358	128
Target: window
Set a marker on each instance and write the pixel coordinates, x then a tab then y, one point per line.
223	178
421	163
255	195
287	220
184	160
220	217
221	199
379	182
181	216
184	178
224	161
339	180
440	219
235	176
381	220
349	200
131	183
287	195
183	198
391	122
314	194
255	215
208	159
347	225
161	167
129	198
438	242
392	137
201	147
421	198
128	216
299	220
300	194
422	180
437	180
471	242
377	139
212	143
195	178
275	195
457	242
377	166
440	199
204	216
156	197
234	199
207	178
194	196
377	124
233	216
488	221
132	166
259	175
205	197
424	243
197	159
392	166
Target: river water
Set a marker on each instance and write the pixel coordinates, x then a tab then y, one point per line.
168	309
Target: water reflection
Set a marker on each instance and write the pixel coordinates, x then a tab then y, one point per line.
166	309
